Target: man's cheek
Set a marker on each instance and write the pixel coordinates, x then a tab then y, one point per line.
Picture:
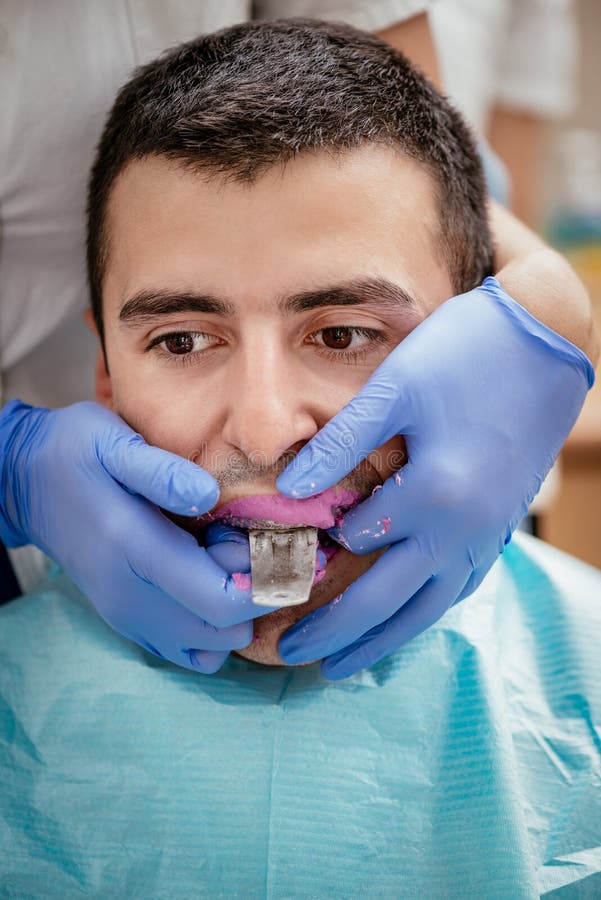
164	423
389	457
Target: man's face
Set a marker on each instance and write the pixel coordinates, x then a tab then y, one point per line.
239	319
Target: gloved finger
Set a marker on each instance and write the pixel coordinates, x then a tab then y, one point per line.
168	557
373	416
205	661
218	533
423	610
386	517
232	557
228	546
481	571
389	584
473	582
173	630
164	478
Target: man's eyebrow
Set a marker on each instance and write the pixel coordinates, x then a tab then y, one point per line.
150	304
365	291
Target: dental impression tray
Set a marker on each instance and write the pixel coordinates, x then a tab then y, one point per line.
282	564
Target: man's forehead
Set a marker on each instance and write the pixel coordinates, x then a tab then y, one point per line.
320	231
360	179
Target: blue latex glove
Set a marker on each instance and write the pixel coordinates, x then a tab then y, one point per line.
485	395
73	482
228	546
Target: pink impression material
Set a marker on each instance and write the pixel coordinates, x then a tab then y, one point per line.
320	510
242	580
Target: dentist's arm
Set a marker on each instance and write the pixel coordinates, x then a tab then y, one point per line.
83	487
542	281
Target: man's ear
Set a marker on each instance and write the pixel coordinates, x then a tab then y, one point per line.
104	391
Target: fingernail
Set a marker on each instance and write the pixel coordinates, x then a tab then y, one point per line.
291	651
296	487
296	649
208	501
336	672
293	656
298	477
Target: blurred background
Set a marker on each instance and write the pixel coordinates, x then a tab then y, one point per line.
562	200
567	210
527	74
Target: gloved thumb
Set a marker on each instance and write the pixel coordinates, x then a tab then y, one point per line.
371	418
228	547
168	480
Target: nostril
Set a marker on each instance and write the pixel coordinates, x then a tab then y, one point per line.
268	436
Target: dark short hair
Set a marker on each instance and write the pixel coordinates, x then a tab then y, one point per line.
238	101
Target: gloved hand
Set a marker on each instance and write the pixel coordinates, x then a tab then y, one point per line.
485	395
73	482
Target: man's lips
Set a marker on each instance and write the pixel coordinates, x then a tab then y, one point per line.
267	510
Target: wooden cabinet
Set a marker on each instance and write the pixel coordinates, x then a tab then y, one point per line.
573	522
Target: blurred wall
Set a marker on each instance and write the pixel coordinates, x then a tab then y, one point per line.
574	521
589	109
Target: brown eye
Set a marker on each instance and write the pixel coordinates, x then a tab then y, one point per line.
337	338
179	343
183	343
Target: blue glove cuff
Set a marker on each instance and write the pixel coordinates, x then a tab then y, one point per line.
559	345
11	418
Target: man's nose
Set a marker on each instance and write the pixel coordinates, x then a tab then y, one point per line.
269	407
